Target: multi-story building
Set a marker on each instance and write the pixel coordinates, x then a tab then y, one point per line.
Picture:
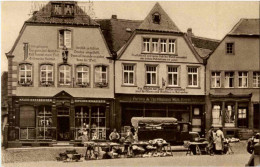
159	74
233	81
60	77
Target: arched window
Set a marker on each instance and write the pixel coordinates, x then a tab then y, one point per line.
46	74
65	75
25	74
82	75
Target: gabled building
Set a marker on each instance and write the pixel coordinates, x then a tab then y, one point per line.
233	81
60	78
159	74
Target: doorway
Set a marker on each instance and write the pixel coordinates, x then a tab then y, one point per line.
63	128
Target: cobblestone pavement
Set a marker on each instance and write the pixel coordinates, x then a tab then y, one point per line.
41	158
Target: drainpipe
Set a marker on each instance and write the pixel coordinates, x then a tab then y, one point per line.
114	57
205	90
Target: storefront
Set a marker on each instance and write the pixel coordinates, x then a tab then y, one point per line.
184	108
59	118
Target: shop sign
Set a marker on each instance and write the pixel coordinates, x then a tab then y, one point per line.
146	89
90	101
165	99
36	100
156	57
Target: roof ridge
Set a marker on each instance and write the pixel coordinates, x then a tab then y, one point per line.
206	38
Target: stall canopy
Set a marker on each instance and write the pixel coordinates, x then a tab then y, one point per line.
152	120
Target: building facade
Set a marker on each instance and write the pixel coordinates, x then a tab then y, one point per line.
159	74
233	81
60	78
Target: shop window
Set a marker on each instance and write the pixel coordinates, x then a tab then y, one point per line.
44	119
155	45
242	79
172	76
146	44
98	122
82	75
101	76
128	73
64	75
171	46
256	79
216	115
163	48
46	75
242	117
81	120
27	122
25	75
151	75
192	76
230	48
230	115
215	79
229	79
65	38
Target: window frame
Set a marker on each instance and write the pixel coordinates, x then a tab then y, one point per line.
128	71
172	74
62	14
145	44
86	84
27	83
64	39
166	45
233	48
156	74
242	77
227	79
174	45
215	77
65	85
101	84
256	79
220	114
47	83
189	73
158	45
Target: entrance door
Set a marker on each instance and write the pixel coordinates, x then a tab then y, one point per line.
63	127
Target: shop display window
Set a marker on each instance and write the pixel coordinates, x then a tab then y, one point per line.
242	117
27	122
230	115
81	120
98	122
216	115
44	122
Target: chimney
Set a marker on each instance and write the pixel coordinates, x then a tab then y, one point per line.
114	17
189	33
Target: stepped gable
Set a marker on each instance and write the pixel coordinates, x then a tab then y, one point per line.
165	23
44	16
246	27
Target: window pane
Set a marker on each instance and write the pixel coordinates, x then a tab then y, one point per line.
125	77
153	78
131	78
170	79
148	77
190	79
195	80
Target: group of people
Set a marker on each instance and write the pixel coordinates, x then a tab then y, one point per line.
216	141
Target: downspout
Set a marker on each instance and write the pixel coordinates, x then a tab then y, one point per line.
114	57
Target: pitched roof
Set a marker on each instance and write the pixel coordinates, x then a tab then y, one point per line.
165	24
117	31
44	16
246	27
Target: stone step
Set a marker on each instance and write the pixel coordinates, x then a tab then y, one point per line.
62	144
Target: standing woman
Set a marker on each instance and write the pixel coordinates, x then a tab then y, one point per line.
219	141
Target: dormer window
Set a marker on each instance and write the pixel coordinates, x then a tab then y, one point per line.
156	18
63	9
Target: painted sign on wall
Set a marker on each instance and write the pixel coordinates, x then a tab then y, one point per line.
147	89
157	57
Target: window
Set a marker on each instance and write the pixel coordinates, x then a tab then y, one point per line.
156	18
215	79
64	75
151	72
256	79
65	38
242	117
101	79
242	79
155	45
146	44
171	46
173	76
229	79
230	48
128	74
62	9
81	120
27	122
69	9
193	76
56	9
44	119
163	45
216	115
82	75
230	115
46	75
25	74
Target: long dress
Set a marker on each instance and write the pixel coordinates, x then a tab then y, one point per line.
219	140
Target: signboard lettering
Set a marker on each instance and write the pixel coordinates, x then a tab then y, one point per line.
160	90
157	57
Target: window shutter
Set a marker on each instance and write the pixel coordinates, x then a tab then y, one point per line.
27	116
61	38
67	41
